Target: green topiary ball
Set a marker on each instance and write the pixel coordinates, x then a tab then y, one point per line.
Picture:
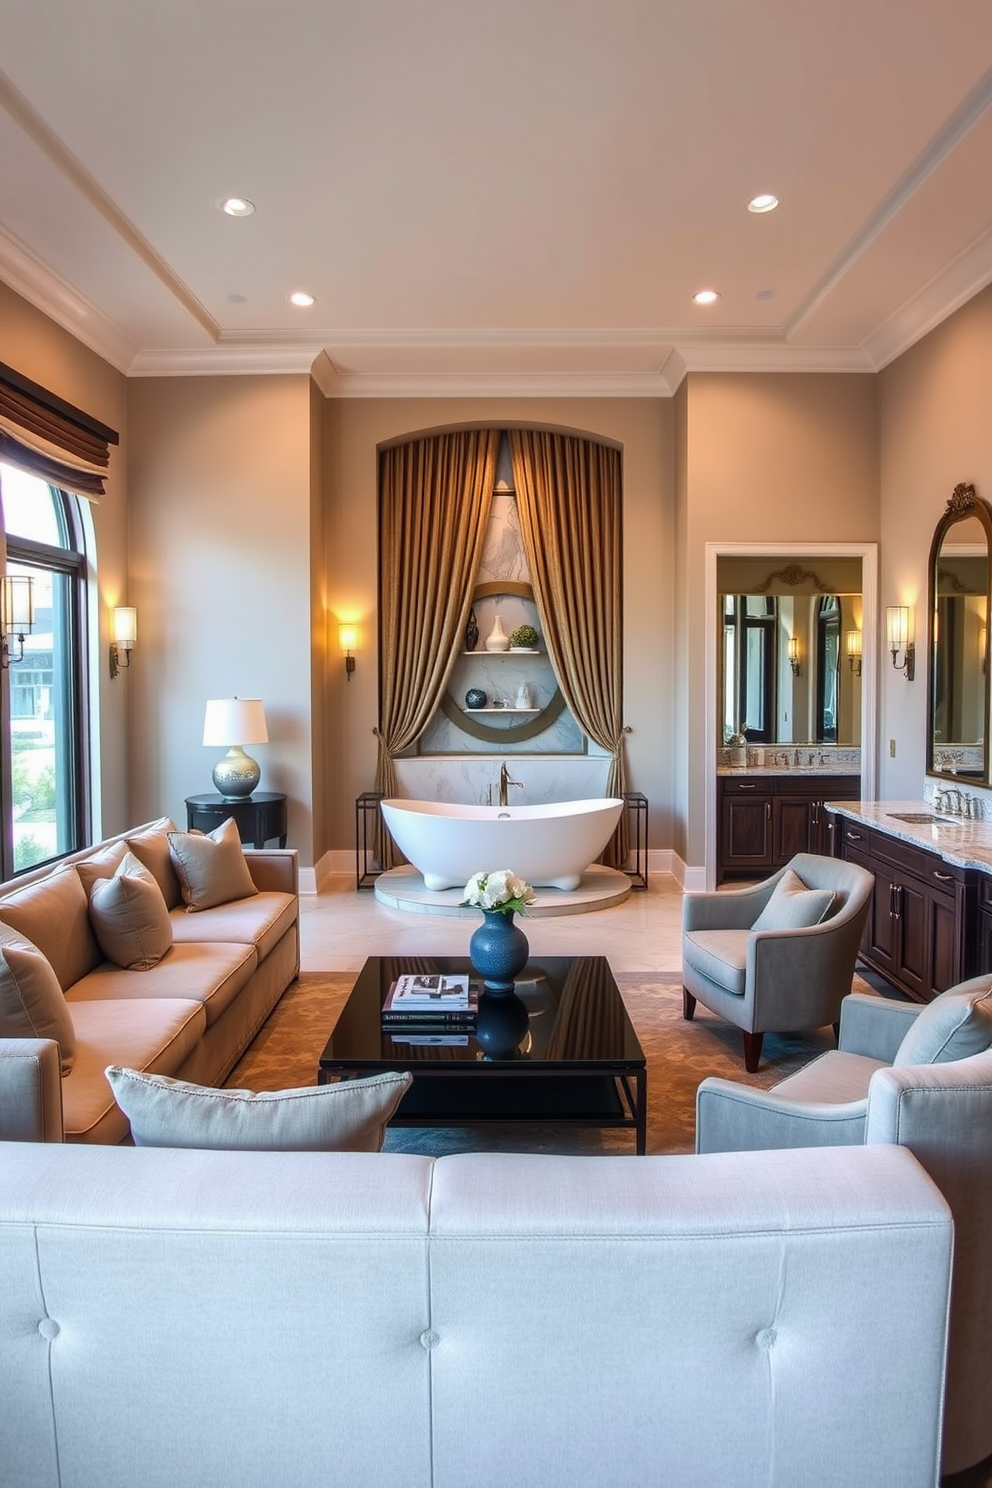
524	635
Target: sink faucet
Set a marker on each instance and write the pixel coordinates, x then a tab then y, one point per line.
504	783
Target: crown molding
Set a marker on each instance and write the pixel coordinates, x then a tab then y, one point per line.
243	360
966	276
24	273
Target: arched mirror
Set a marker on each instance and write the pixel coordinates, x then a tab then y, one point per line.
958	730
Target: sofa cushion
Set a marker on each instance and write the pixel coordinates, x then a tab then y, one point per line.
211	974
955	1025
794	906
151	847
130	917
349	1116
103	862
211	866
261	921
32	1004
154	1034
53	914
720	955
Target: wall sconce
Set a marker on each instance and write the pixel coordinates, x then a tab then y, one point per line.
124	628
853	639
348	638
794	655
899	628
983	641
16	614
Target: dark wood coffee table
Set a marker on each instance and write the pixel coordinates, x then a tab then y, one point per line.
578	1060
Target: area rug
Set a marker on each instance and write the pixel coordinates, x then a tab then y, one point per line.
678	1054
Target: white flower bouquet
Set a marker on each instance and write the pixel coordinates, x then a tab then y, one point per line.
501	890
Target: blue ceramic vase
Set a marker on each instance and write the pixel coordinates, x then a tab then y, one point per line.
503	1021
498	950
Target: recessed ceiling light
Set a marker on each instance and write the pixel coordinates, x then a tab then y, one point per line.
236	206
238	299
705	297
764	203
301	298
764	294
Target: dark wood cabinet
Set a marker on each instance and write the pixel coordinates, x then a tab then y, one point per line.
766	819
921	928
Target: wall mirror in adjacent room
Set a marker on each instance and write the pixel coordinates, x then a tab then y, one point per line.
958	680
790	662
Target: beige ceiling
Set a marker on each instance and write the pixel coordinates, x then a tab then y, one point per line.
496	195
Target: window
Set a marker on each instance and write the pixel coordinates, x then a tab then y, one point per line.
43	780
749	622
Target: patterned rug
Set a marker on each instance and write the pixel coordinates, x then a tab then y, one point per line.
678	1054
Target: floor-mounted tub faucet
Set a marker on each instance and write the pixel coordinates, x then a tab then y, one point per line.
504	784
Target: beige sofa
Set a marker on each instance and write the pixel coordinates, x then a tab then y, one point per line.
356	1320
191	1015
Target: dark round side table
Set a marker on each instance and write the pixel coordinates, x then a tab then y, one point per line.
259	817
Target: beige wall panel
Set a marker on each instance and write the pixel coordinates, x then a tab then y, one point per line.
936	430
768	457
355	428
220	496
41	350
319	633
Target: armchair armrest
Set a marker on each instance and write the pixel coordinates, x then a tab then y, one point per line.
274	868
30	1091
740	1118
730	909
874	1025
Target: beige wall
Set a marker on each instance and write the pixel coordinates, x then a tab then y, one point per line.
769	457
643	428
220	501
936	430
39	349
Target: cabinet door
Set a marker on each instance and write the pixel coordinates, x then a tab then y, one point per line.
882	944
745	832
911	913
792	819
946	965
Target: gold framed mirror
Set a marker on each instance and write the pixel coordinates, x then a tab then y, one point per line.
958	649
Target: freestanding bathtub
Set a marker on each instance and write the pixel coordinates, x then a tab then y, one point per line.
546	845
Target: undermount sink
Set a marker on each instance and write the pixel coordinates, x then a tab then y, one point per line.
920	818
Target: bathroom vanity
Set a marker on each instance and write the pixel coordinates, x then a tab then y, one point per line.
766	816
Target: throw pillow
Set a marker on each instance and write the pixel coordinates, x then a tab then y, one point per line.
793	906
350	1116
955	1025
151	847
103	863
31	1000
211	867
129	916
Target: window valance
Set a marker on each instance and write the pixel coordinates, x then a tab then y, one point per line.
54	440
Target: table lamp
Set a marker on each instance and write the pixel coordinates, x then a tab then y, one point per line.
232	723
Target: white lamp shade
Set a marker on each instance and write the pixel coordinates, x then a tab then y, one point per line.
18	603
899	626
125	626
854	643
235	721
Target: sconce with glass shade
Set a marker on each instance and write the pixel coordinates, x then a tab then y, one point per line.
853	643
794	655
124	632
16	615
899	629
231	723
349	638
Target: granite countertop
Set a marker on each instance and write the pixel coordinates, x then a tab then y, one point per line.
759	770
968	844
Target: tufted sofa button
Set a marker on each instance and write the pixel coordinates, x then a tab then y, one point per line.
429	1338
48	1328
765	1338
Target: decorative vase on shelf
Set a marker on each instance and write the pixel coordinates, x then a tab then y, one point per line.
498	951
497	639
524	699
471	632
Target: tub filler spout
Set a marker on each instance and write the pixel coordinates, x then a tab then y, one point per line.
504	785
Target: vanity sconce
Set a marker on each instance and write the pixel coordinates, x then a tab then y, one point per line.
794	655
983	640
348	639
124	628
16	615
853	640
899	628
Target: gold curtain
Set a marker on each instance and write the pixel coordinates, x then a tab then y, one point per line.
568	499
434	498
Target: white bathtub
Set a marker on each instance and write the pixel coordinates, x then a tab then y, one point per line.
546	845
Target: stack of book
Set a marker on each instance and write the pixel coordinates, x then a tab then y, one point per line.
429	1007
